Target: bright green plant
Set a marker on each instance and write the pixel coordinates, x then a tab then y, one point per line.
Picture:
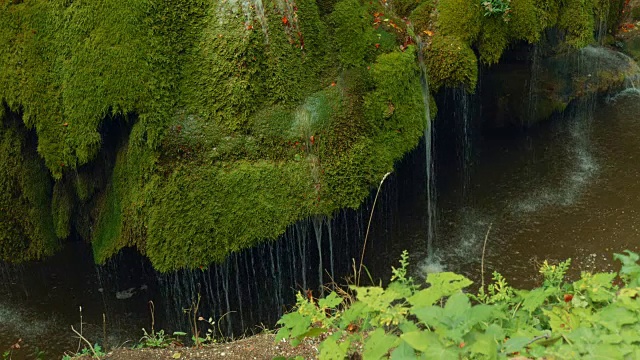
587	318
155	339
95	351
497	7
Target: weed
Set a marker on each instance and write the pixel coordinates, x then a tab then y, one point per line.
588	318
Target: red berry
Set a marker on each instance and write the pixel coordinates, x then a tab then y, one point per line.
568	297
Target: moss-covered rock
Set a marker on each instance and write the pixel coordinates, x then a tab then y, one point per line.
26	225
233	119
524	99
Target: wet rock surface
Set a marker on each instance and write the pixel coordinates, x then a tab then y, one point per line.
526	91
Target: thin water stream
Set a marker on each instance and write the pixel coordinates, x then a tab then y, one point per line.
568	188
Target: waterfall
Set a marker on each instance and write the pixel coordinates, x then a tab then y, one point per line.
532	100
428	140
463	110
317	227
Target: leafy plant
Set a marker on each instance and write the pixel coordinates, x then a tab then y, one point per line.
497	7
155	339
94	351
587	318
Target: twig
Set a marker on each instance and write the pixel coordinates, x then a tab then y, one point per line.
79	340
545	336
82	338
104	330
484	247
366	237
152	310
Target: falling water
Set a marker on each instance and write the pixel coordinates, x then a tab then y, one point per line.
463	110
428	140
532	101
317	227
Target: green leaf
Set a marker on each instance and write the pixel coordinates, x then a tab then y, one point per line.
403	352
603	351
313	332
354	313
515	344
421	340
481	313
442	284
614	317
484	344
430	315
533	299
330	301
630	271
330	349
376	297
457	305
283	333
408	326
378	344
496	332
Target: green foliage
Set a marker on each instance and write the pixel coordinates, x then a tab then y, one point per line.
589	318
497	7
95	351
158	339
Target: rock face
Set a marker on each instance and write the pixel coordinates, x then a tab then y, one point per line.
523	93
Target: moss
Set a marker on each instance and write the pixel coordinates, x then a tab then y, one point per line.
62	209
530	18
243	119
577	19
203	213
460	18
493	40
451	62
404	7
421	17
353	34
26	226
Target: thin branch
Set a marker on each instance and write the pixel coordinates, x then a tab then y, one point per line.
366	237
82	338
484	247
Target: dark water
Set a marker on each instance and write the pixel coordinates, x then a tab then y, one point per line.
569	188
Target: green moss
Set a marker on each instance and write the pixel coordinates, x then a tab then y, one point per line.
353	34
451	62
577	19
242	120
493	40
62	209
460	18
421	17
404	7
529	18
203	213
26	226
